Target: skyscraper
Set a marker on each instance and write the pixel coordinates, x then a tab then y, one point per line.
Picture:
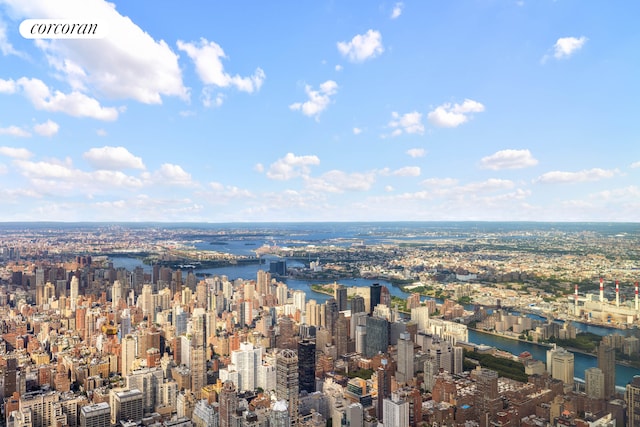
307	365
594	382
377	339
632	398
287	385
607	364
384	386
341	334
405	358
374	291
340	294
228	403
357	305
127	354
487	399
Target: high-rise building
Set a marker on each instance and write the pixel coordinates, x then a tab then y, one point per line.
357	305
126	405
396	411
487	399
341	334
246	361
96	415
607	364
307	365
405	358
560	364
594	382
632	398
377	336
375	291
340	295
228	403
279	415
73	292
127	354
383	374
287	385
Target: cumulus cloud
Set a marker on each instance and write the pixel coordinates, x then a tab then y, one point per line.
336	181
567	46
406	123
508	159
7	86
439	182
453	115
5	46
75	104
14	131
112	158
207	57
48	128
292	166
635	165
586	175
15	153
126	64
362	46
172	174
318	100
403	171
357	131
211	99
397	10
416	152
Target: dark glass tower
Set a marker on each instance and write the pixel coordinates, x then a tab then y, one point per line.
307	365
375	291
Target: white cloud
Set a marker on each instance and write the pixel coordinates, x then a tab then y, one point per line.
397	10
8	86
362	46
586	175
635	165
15	153
259	167
48	128
357	131
291	166
101	132
112	158
567	46
209	100
407	171
5	46
388	188
407	123
336	181
403	171
207	57
439	182
318	101
75	103
14	131
416	152
172	174
126	64
450	116
338	67
508	159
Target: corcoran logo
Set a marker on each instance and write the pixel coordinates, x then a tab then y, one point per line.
62	29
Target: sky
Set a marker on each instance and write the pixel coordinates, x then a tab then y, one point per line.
245	111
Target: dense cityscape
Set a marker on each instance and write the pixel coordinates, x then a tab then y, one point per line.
319	324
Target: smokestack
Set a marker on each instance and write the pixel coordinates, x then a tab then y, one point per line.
617	295
601	291
636	296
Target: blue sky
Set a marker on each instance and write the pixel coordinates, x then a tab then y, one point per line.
322	111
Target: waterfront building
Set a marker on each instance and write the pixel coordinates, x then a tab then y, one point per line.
560	364
357	305
607	364
594	382
375	292
632	398
340	295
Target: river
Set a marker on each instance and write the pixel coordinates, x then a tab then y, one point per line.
250	271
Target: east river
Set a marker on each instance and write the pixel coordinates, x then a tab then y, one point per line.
581	361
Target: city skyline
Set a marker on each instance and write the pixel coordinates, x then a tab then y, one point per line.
492	111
